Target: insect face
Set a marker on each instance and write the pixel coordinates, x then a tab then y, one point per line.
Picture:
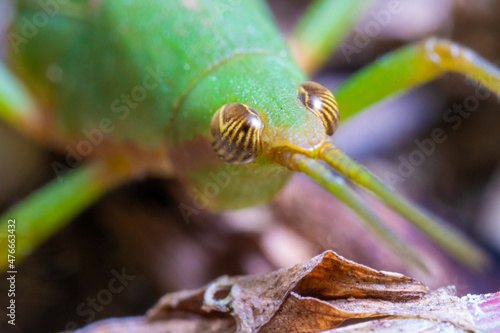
237	129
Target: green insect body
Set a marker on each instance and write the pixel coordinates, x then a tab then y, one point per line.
210	92
240	58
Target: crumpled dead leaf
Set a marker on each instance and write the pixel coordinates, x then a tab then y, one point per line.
316	296
254	300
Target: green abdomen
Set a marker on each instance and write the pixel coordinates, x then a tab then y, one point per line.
135	62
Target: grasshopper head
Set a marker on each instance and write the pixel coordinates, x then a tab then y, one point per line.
241	134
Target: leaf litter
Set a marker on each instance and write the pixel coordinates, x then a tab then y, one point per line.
319	296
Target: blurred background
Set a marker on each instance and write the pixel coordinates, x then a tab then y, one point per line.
137	231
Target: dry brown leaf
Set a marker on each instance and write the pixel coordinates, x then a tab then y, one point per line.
254	300
412	325
185	324
299	312
316	296
307	314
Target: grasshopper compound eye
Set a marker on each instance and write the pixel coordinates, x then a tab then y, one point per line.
236	132
321	102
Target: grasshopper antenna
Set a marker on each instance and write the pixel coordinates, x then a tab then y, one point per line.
337	186
456	244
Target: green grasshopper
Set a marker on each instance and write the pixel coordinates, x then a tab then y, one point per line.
197	88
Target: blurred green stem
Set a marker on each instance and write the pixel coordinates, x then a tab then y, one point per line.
409	67
52	207
322	28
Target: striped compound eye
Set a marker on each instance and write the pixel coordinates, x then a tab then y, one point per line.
321	102
236	132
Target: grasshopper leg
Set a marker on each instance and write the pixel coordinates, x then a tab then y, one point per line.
50	208
17	108
411	66
322	28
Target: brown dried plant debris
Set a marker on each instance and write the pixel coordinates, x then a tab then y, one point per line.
316	296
